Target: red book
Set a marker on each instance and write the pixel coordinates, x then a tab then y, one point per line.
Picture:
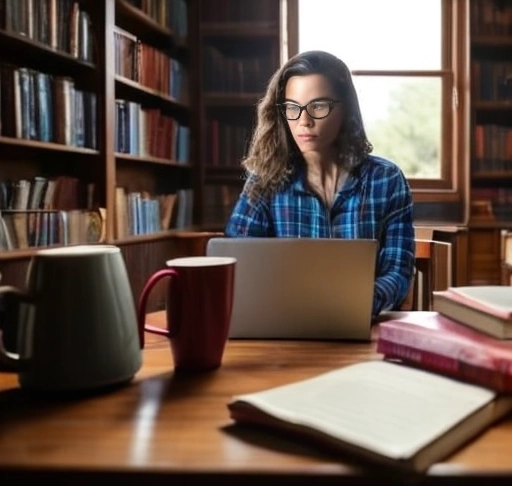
434	342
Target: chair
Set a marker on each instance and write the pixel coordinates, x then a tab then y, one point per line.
432	271
458	237
506	257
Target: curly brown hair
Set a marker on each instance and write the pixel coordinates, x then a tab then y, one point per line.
273	155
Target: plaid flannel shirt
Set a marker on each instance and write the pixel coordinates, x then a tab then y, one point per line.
375	203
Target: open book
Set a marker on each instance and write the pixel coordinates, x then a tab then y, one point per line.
391	414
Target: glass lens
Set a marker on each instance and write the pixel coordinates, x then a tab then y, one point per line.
318	109
291	111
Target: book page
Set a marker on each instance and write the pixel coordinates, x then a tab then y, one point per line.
384	407
498	297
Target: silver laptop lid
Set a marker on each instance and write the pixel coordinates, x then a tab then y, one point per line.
300	288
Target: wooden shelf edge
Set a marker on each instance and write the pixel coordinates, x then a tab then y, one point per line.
57	55
134	85
160	235
223	169
480	176
137	15
35	144
240	29
217	99
23	254
489	224
143	159
500	105
491	41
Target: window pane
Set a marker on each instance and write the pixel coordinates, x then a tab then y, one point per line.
374	34
402	117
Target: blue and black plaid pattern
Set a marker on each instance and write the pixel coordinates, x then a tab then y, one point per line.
375	203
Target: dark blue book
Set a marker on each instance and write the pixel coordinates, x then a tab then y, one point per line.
44	107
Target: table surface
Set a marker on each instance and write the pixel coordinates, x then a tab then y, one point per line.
167	428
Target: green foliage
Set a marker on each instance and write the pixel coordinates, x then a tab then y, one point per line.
410	132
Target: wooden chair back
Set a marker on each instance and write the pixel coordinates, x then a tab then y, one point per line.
432	271
506	256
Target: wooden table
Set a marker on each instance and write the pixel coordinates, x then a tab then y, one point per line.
166	428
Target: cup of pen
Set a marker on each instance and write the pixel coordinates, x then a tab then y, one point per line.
199	302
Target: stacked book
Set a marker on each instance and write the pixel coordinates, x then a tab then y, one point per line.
442	377
467	336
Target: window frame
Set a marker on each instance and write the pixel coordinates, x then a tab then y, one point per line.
452	186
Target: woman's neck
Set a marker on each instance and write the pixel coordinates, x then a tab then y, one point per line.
325	179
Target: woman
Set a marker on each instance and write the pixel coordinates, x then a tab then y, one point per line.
311	175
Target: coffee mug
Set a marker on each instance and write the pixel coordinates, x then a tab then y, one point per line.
199	302
75	323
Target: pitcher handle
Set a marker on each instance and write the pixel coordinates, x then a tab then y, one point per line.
141	319
10	299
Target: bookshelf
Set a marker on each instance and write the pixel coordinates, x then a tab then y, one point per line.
97	97
491	128
240	44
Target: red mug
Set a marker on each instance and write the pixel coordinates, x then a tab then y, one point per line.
198	305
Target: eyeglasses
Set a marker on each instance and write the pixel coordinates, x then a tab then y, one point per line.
315	109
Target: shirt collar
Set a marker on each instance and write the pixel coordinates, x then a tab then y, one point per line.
298	179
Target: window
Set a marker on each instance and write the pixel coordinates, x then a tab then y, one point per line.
407	60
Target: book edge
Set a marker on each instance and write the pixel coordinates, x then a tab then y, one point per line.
459	295
501	329
438	449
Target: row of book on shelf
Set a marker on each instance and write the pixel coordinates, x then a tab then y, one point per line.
491	80
443	377
61	25
63	210
38	106
40	192
491	17
230	74
140	212
488	203
149	131
151	67
35	105
493	148
23	229
239	11
219	201
169	14
226	143
45	211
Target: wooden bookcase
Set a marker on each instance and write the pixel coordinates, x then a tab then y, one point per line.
240	44
491	129
163	31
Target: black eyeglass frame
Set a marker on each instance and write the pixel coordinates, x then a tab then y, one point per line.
282	108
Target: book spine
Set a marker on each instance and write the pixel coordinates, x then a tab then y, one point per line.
446	365
471	317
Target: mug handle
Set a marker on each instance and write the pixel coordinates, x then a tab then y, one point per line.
143	300
10	299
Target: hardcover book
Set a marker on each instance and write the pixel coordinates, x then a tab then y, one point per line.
390	414
434	342
487	308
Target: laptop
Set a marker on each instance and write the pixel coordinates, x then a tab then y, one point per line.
300	288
